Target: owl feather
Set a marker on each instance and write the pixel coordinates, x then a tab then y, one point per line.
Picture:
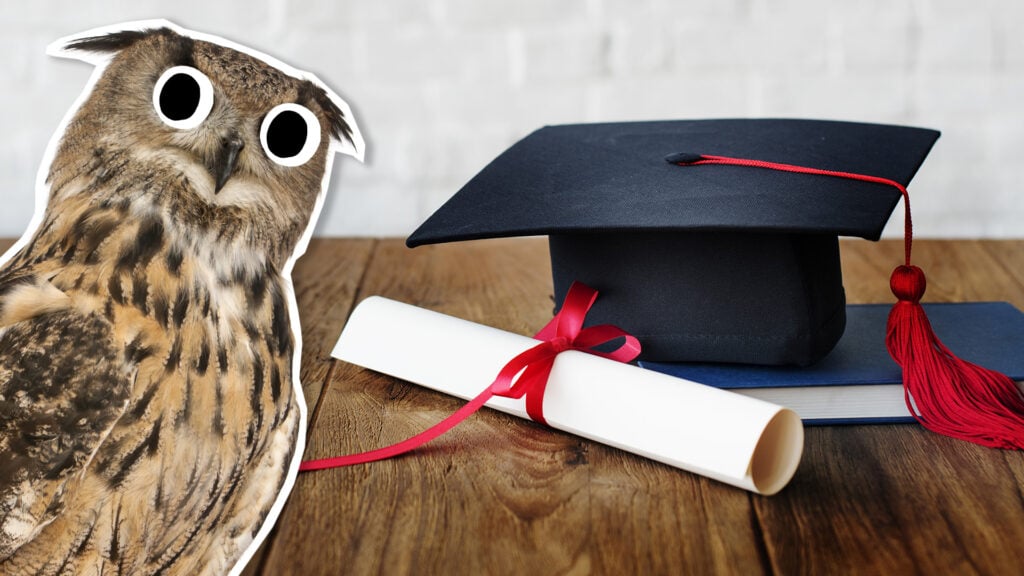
149	408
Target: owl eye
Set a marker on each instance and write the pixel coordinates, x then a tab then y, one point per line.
183	97
290	134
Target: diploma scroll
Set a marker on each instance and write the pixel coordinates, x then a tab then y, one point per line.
738	440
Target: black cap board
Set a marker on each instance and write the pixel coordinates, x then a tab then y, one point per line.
704	263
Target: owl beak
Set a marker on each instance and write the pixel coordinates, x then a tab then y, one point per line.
225	160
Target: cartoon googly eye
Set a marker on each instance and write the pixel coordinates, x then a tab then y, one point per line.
183	97
290	134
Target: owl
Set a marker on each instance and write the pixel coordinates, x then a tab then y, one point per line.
151	417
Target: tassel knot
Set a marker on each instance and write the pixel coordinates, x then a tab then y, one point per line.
908	283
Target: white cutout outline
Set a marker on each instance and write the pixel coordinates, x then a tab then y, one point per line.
354	146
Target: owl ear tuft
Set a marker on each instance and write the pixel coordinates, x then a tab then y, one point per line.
98	46
339	117
112	42
339	125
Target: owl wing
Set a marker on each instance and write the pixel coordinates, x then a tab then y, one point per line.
63	385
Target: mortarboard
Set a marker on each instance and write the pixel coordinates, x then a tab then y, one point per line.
730	262
721	265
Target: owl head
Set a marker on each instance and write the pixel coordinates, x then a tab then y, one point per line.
227	143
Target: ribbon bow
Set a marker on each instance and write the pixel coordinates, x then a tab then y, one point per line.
564	332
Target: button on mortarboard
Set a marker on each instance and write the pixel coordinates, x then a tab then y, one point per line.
700	263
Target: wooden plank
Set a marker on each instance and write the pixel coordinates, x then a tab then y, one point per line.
992	266
965	270
866	269
647	518
1009	254
894	500
899	499
497	495
325	279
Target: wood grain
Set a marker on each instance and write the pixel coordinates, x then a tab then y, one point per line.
503	496
500	495
894	500
497	495
325	280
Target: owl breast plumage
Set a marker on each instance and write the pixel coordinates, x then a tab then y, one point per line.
149	407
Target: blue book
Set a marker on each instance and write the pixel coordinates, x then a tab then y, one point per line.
858	382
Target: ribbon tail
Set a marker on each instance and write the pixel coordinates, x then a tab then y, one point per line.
539	373
532	366
404	446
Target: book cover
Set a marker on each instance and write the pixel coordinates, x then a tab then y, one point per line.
858	382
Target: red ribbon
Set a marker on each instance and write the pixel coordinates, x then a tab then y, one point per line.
564	332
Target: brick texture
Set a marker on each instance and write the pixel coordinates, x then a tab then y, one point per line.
441	86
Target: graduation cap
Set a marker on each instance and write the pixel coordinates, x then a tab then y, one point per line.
717	265
716	241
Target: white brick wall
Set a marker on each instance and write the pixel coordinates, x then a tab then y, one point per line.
441	86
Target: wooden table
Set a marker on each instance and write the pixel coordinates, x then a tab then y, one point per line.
500	495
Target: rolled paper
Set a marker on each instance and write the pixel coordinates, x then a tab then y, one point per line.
731	438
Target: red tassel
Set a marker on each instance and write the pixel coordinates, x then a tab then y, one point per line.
945	394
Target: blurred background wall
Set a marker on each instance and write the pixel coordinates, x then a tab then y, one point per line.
439	87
